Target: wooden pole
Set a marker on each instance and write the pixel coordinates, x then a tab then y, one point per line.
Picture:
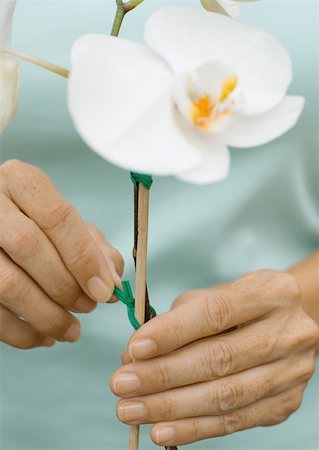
140	289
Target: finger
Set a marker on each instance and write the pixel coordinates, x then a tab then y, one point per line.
20	294
112	256
211	312
206	359
215	397
20	334
187	297
30	248
125	358
266	412
34	193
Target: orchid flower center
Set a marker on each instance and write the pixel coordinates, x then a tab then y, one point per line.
207	97
207	112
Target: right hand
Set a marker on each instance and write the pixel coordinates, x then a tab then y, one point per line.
51	261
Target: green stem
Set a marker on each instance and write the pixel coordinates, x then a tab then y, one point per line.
122	9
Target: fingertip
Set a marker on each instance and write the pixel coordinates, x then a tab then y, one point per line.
162	434
142	349
48	342
84	304
99	290
125	358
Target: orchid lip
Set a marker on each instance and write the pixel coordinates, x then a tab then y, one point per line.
208	96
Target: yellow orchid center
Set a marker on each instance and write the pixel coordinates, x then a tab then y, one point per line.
206	112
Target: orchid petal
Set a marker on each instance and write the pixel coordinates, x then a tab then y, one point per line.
215	157
9	90
262	64
119	97
214	168
112	82
6	15
155	144
254	131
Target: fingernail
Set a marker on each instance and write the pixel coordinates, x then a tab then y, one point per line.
142	348
73	333
83	303
126	383
99	290
165	435
48	342
132	412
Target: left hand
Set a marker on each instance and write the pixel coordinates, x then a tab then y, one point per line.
194	381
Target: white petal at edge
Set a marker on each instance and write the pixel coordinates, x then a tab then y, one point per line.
187	37
258	130
215	157
232	8
154	144
112	82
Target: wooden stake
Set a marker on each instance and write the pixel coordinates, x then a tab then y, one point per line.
140	290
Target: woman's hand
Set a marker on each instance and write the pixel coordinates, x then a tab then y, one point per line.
51	262
194	380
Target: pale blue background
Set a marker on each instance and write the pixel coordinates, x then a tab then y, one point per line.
264	215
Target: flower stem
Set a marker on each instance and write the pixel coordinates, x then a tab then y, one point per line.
37	61
122	9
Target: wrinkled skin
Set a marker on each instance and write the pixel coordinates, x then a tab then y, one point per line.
51	262
194	380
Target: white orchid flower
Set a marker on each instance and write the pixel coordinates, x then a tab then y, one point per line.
203	82
9	67
227	7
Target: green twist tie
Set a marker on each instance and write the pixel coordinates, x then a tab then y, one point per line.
126	296
146	180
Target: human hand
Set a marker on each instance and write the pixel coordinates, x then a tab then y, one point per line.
195	381
51	262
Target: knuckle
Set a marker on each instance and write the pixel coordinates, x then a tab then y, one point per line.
12	167
82	257
220	359
313	332
227	396
28	342
261	277
291	286
9	282
168	407
230	423
163	376
307	332
57	216
215	312
309	368
57	324
66	290
195	430
290	403
185	297
24	242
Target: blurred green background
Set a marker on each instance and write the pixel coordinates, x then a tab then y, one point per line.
264	215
